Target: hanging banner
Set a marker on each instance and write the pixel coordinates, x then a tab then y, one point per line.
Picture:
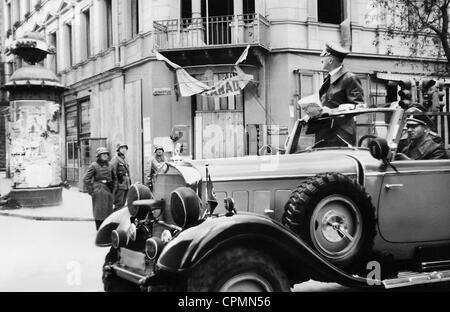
230	86
189	86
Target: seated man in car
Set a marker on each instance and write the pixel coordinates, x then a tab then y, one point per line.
422	145
405	140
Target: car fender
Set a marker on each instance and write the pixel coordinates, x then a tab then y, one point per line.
118	220
192	246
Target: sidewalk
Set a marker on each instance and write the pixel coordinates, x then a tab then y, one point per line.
76	206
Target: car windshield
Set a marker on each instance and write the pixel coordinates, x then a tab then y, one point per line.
322	132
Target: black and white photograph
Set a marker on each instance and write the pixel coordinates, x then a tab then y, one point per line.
206	146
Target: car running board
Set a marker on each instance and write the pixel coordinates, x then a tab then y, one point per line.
412	279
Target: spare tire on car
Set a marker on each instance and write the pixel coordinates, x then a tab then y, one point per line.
334	215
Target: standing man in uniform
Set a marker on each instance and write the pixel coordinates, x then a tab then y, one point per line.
100	182
122	171
339	87
157	162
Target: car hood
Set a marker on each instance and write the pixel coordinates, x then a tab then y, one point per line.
280	166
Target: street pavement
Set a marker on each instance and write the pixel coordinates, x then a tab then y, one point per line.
52	249
60	256
49	256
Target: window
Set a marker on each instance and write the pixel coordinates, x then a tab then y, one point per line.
16	8
53	58
27	6
85	122
87	31
134	17
186	12
249	6
69	44
109	25
78	128
9	16
330	11
249	11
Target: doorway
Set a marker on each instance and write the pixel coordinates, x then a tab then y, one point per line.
218	123
218	18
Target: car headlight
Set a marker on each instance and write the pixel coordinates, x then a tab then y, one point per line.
166	236
133	232
185	206
153	247
119	238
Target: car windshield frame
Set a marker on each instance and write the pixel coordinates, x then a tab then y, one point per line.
393	135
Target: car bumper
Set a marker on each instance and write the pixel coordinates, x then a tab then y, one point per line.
128	275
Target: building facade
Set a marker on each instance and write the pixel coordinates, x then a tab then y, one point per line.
3	97
119	92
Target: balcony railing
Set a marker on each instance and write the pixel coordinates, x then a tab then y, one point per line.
212	31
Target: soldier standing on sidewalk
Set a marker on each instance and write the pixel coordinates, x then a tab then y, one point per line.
156	164
100	182
122	172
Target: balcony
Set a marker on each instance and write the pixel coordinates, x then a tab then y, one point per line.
216	31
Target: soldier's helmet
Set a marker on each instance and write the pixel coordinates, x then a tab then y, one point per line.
120	145
159	147
102	150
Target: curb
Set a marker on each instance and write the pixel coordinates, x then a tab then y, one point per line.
41	218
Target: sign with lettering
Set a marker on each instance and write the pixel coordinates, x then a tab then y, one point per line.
277	130
230	86
162	91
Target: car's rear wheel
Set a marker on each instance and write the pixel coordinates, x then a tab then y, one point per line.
333	214
238	269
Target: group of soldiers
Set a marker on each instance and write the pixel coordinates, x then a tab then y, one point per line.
108	181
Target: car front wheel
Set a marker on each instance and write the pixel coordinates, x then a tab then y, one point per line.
238	269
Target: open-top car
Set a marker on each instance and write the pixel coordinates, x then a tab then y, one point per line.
347	214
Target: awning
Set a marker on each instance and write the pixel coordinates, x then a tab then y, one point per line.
399	77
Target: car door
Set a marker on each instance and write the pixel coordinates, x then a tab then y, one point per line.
414	203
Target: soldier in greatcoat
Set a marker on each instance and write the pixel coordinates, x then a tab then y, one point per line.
122	172
100	182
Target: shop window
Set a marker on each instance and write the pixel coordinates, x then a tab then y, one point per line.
78	128
85	122
330	11
72	121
